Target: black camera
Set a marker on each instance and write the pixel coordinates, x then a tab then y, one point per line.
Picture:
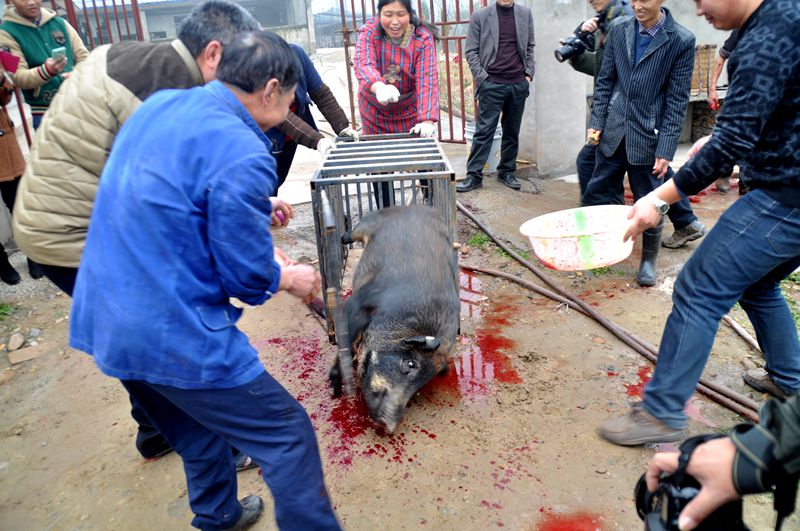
661	509
574	45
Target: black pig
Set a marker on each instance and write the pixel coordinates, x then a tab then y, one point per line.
403	315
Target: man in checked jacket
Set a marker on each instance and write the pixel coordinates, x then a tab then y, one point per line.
639	105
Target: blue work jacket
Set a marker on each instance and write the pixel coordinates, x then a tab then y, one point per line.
181	223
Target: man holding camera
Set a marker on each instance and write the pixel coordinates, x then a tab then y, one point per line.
587	57
640	101
756	242
49	48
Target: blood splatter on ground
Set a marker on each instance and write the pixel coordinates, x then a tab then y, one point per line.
693	411
645	374
570	522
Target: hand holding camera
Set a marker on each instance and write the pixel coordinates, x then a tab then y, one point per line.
692	489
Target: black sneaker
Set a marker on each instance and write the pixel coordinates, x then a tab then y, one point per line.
509	180
469	184
252	507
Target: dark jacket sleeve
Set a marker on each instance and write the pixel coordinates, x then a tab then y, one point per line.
768	450
604	84
678	89
530	66
302	133
585	63
330	108
749	105
472	51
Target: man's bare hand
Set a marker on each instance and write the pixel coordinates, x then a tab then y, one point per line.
593	136
282	212
643	216
590	26
282	258
301	280
660	168
711	465
55	66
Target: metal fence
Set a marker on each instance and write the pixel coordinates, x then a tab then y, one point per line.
451	17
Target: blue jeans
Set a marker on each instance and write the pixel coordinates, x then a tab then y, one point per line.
751	249
261	419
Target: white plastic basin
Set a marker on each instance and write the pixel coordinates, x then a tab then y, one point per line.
580	238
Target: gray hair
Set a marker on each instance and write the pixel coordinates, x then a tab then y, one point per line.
215	20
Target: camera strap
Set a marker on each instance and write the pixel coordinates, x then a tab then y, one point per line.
784	496
687	448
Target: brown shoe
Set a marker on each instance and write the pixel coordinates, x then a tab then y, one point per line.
638	427
691	232
761	380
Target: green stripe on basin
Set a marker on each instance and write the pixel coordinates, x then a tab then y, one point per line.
584	242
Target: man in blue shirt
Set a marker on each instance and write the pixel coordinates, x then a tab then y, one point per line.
180	225
756	242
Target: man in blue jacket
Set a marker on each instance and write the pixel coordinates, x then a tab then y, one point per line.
639	104
180	225
756	242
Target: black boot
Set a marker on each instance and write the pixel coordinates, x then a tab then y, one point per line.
651	241
8	274
34	270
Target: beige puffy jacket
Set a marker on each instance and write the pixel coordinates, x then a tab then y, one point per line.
57	190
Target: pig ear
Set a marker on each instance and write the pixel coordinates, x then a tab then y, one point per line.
423	342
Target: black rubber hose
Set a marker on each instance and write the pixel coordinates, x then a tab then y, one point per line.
728	398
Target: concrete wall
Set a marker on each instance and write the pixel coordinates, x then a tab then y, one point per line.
296	35
555	114
554	122
157	22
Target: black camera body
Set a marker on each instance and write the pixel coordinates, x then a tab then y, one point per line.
661	509
580	41
574	45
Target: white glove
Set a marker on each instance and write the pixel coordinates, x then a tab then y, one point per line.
386	94
350	132
424	129
324	145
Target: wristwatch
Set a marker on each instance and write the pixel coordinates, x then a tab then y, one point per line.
661	206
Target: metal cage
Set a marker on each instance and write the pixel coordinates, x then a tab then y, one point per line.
356	178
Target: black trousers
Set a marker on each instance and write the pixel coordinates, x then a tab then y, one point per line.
284	160
609	172
585	162
495	99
